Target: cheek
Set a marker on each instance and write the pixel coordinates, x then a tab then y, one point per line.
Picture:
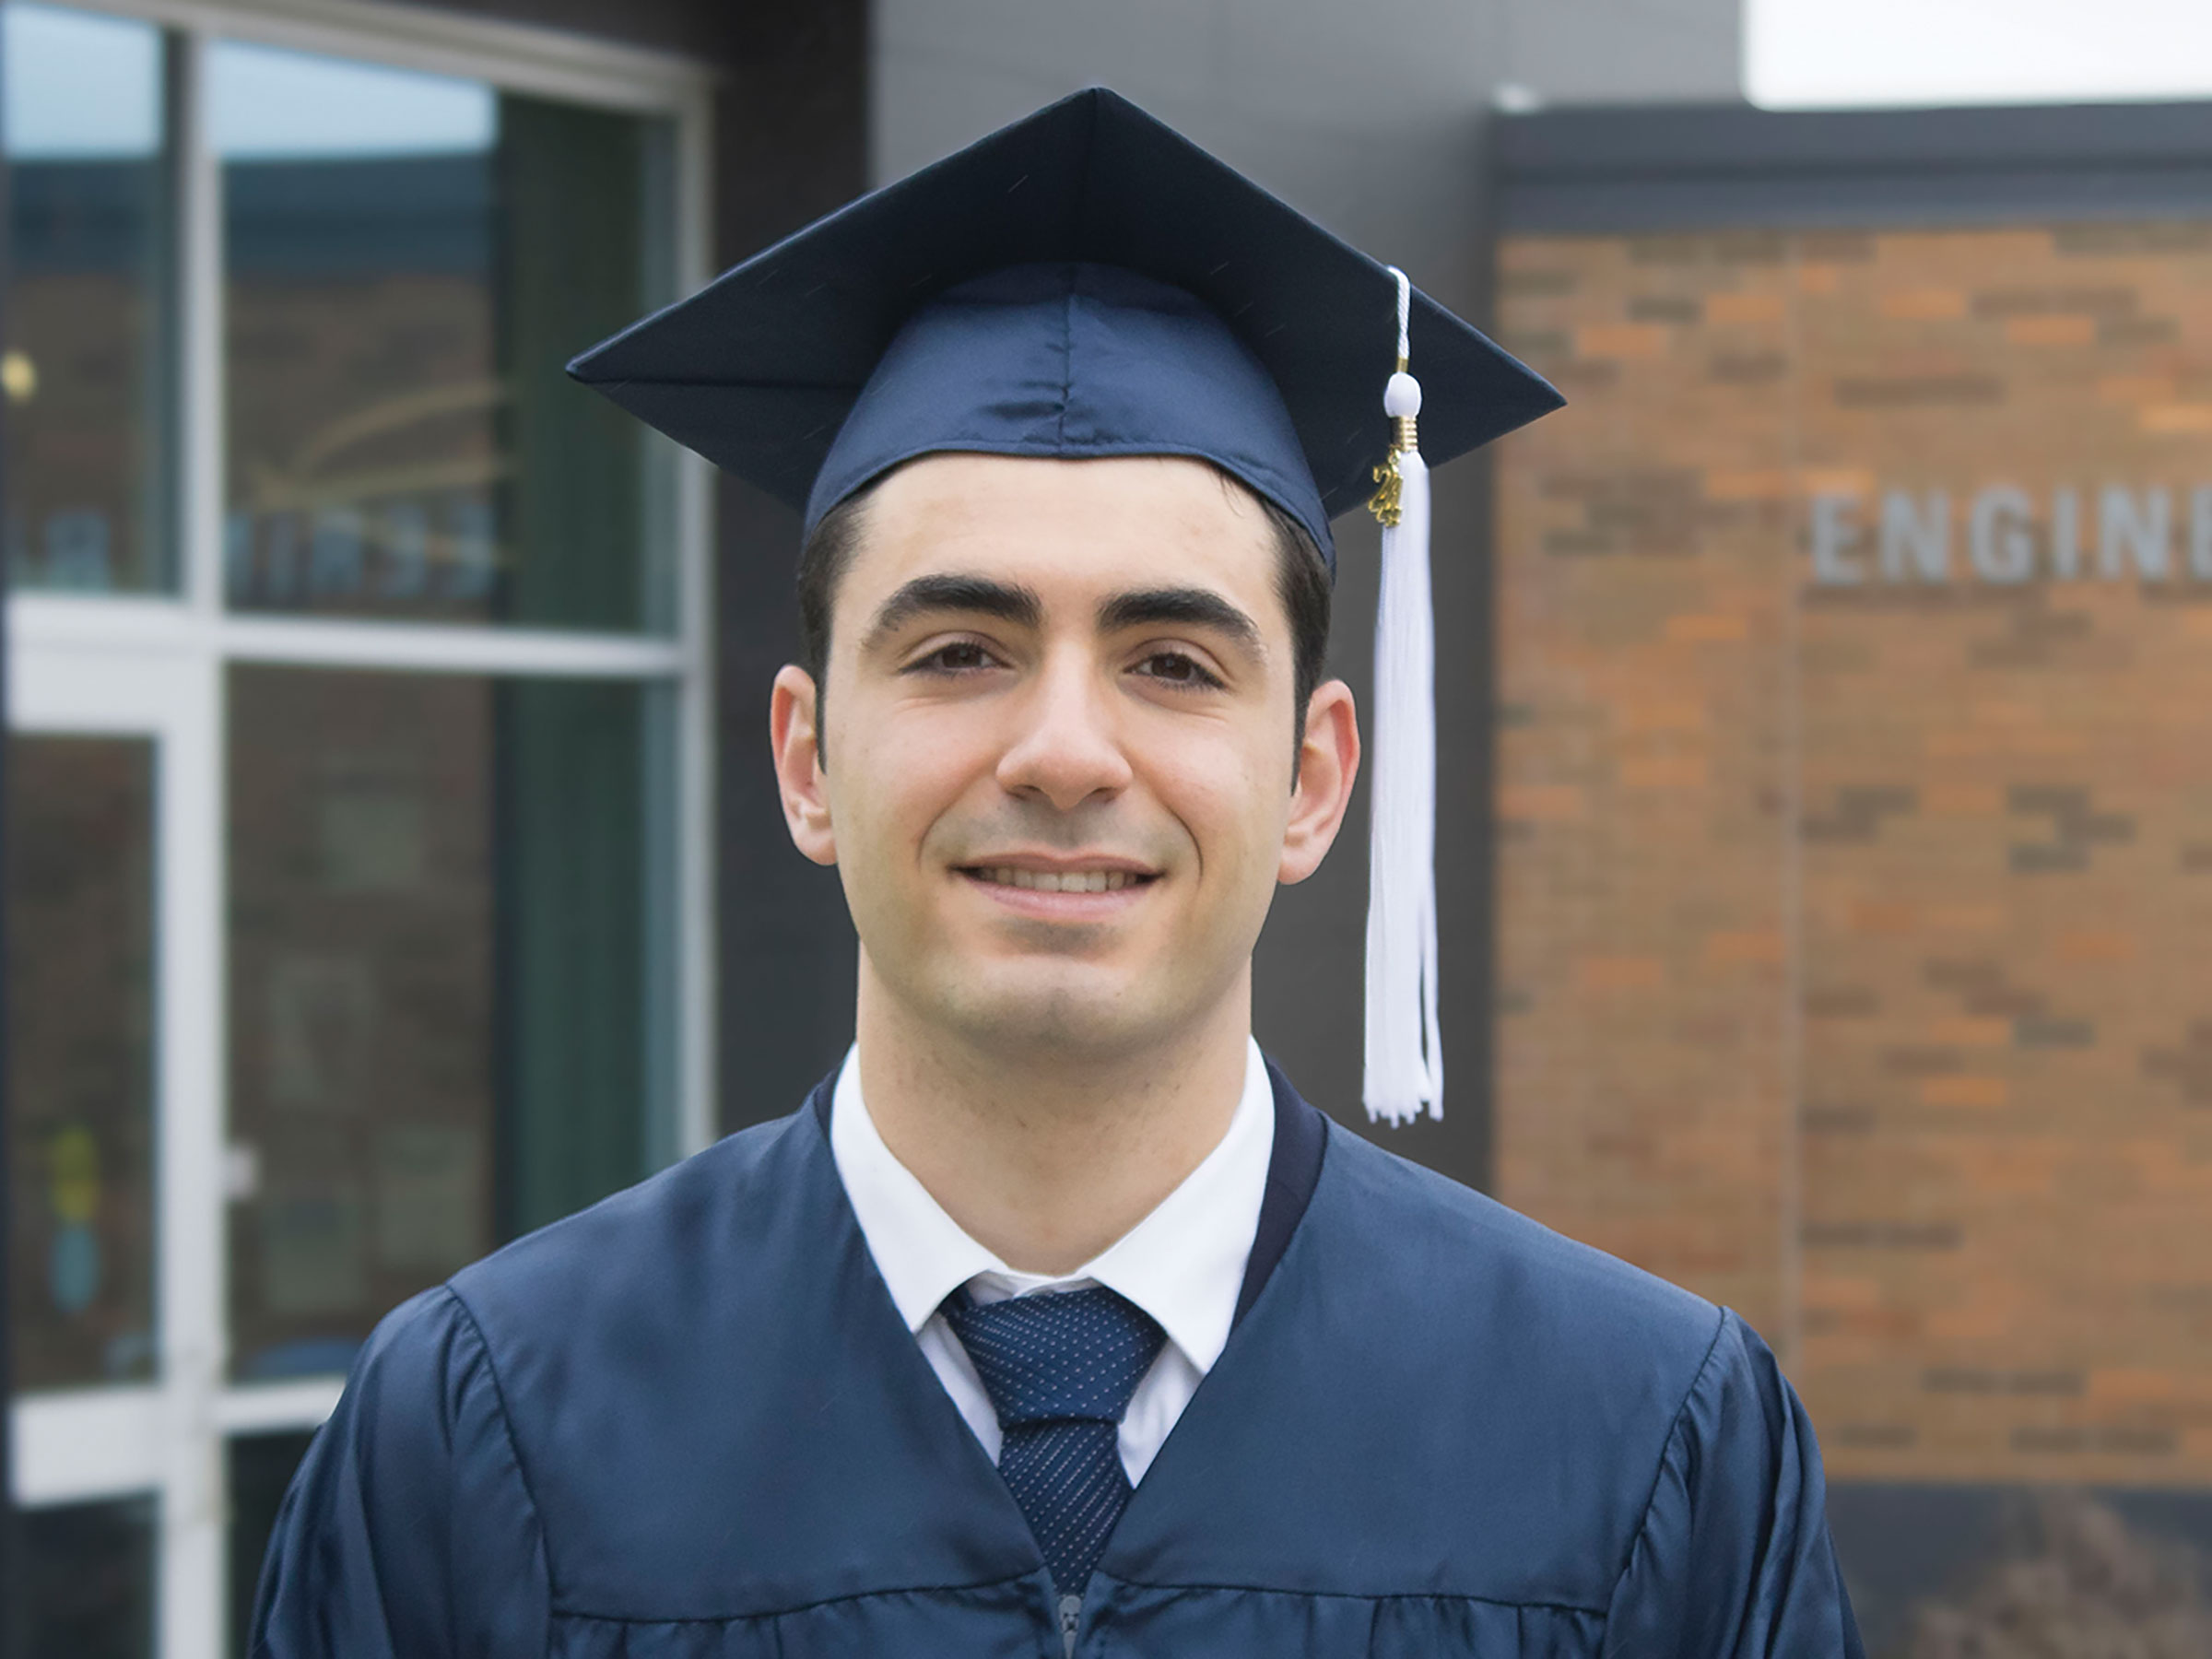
913	767
1234	808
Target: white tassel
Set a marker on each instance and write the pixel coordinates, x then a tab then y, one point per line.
1404	1070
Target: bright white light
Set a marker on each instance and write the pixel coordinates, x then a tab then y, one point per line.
269	105
77	87
1827	53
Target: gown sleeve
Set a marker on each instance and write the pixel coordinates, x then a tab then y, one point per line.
1733	1559
408	1532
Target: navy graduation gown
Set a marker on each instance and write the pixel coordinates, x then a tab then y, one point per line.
690	1424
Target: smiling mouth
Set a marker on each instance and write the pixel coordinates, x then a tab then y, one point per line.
1057	881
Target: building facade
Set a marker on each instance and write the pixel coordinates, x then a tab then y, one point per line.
1855	802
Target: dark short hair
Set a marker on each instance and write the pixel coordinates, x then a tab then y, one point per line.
1301	580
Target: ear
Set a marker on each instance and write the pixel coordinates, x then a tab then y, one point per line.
1328	759
792	707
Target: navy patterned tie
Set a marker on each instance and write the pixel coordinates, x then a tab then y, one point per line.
1060	1368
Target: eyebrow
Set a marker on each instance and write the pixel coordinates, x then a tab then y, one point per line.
1010	602
971	595
1183	606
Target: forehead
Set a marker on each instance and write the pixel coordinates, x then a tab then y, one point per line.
1108	524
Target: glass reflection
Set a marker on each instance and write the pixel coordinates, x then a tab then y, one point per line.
79	896
88	1577
85	353
411	259
440	1021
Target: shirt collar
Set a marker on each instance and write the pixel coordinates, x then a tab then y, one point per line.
1183	1264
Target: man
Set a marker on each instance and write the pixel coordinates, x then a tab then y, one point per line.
1056	1323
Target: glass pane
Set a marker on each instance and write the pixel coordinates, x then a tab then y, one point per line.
411	260
84	358
261	1468
439	1000
79	864
89	1572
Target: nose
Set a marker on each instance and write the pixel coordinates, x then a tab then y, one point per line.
1067	748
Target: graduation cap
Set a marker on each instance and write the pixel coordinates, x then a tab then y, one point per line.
1088	282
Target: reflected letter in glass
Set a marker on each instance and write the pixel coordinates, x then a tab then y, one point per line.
79	913
83	363
411	260
442	1024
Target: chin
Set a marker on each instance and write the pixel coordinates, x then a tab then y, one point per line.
1080	1015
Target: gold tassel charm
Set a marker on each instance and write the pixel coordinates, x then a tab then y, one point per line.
1388	502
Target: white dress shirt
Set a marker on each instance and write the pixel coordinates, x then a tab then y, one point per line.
1183	1264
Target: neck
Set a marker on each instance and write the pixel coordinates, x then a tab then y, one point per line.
1043	1155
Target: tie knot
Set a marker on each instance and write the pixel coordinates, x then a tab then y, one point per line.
1057	1356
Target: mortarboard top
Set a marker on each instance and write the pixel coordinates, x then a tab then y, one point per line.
759	370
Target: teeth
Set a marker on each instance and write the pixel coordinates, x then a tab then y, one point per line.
1057	881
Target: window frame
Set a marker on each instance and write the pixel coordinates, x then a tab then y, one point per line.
168	1437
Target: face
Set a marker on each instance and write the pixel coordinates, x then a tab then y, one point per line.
1060	788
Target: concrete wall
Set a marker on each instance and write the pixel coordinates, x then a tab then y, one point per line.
1372	118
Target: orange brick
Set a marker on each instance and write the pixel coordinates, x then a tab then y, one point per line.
1665	771
1543	803
1963	1092
1837	480
2016	1172
2134	388
1969	1324
2095	946
1739	484
1710	628
1962	800
1966	918
1621	340
1743	307
1764	947
1658	714
1620	974
1883	916
2114	1385
1970	1033
2050	331
1940	745
2177	417
1925	305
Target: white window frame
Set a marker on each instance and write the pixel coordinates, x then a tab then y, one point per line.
156	666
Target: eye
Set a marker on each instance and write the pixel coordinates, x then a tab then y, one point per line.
959	656
1175	668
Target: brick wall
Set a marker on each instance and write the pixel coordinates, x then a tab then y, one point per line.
1854	791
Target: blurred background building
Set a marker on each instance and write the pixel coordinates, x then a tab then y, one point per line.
1826	819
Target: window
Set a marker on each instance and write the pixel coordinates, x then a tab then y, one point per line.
357	848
